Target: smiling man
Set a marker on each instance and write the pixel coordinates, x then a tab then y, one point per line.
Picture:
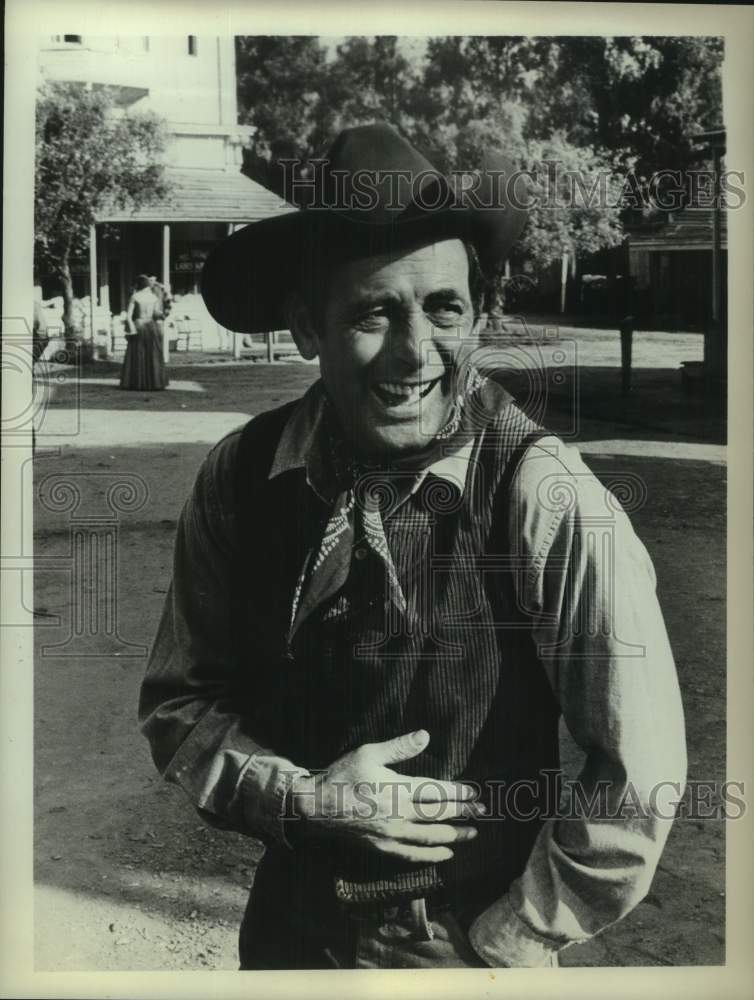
391	331
387	593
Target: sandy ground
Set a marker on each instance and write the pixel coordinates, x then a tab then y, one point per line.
128	877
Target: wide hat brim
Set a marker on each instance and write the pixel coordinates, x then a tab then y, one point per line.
247	278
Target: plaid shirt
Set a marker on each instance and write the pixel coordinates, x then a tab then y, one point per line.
601	641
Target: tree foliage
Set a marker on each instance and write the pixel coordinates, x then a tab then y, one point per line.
279	85
89	156
640	98
600	106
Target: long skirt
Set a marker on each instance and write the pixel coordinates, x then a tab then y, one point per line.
143	365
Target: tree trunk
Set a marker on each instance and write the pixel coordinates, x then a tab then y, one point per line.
493	305
78	351
71	330
491	300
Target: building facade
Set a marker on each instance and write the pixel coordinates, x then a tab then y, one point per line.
671	268
190	81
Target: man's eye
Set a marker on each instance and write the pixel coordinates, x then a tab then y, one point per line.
452	308
445	314
372	320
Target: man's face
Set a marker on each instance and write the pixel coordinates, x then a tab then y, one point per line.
392	331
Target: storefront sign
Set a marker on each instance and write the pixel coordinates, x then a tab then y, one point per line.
193	261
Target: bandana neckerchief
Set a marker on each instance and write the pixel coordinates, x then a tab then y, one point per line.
367	494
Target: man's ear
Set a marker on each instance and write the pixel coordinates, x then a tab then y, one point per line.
301	327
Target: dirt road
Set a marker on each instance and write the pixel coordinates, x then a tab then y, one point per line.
128	877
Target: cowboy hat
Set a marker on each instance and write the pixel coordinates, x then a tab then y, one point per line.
372	193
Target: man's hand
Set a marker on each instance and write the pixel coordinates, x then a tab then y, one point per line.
360	798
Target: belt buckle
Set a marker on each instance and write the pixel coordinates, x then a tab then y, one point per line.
392	890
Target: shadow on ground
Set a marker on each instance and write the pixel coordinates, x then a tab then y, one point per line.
584	403
116	848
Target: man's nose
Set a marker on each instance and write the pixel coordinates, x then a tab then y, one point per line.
413	342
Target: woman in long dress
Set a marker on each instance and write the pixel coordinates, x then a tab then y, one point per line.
143	365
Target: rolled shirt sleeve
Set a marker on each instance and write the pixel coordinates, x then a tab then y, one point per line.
187	709
590	586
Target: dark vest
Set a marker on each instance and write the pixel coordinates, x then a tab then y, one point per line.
467	672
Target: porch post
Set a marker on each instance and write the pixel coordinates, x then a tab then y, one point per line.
92	280
713	342
102	276
234	337
563	281
166	286
126	266
104	294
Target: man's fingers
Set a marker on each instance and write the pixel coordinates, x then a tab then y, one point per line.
400	748
431	833
434	790
443	812
413	852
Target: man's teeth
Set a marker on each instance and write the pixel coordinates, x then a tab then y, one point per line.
404	391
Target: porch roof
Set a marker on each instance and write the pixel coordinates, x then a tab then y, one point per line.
205	196
688	229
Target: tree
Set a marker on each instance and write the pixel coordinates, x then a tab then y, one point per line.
475	98
609	110
639	97
89	156
297	96
371	78
599	106
279	86
575	196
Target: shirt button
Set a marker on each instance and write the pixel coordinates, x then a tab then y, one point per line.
361	553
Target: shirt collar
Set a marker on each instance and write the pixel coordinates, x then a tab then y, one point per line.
301	432
301	446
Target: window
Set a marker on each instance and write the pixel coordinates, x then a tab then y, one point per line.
73	39
146	43
192	45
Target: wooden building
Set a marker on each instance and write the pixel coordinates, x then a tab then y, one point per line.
190	81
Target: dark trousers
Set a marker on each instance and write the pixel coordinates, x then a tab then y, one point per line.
415	934
294	921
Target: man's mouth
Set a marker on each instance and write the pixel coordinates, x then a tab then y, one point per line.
404	394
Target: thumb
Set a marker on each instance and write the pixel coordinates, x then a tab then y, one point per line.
400	747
